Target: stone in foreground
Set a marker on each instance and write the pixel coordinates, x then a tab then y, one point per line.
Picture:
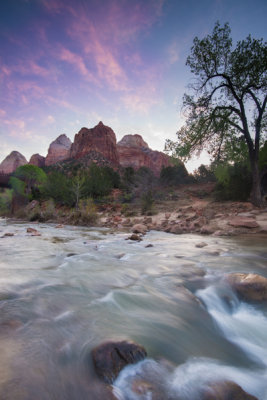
226	390
111	357
251	287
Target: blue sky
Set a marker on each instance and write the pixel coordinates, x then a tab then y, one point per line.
65	64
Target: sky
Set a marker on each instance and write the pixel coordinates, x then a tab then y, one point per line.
66	64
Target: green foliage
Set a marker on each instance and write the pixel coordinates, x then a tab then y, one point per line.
204	173
32	177
86	214
234	182
5	201
58	187
147	202
100	181
173	175
17	185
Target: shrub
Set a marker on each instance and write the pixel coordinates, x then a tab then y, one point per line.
88	211
173	175
233	182
147	202
5	201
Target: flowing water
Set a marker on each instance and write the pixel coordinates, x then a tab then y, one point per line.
70	289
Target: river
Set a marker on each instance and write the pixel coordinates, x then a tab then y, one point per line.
68	290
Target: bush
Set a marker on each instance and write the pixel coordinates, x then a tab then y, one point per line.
5	201
173	175
88	211
234	182
147	202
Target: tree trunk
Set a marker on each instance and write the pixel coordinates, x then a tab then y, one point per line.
255	195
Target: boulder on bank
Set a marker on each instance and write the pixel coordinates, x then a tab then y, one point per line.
139	228
111	357
251	287
226	390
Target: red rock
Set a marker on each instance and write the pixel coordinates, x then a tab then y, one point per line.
99	139
33	232
12	162
38	160
58	150
134	152
243	222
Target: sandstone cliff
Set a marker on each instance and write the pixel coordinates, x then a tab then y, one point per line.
12	162
100	139
134	152
58	150
38	160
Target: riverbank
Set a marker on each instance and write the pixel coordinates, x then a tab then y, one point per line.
187	209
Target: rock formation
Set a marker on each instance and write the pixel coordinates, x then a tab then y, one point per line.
100	139
58	150
134	152
38	160
12	162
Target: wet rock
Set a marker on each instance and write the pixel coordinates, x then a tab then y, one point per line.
33	232
71	254
251	287
8	234
135	237
119	256
149	245
59	226
111	357
139	228
201	244
226	390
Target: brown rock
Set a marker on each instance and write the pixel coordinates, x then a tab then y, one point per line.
99	139
111	357
58	150
243	222
251	287
33	232
201	244
134	152
226	390
12	162
38	160
136	237
139	228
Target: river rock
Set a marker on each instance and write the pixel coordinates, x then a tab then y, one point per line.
251	287
139	228
33	232
111	357
135	237
226	390
201	244
243	222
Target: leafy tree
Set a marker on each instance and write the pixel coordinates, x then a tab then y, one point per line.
58	188
173	175
30	175
229	99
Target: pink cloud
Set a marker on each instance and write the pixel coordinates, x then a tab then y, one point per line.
78	63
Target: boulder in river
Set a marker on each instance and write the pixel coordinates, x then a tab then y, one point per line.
226	390
251	287
111	357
